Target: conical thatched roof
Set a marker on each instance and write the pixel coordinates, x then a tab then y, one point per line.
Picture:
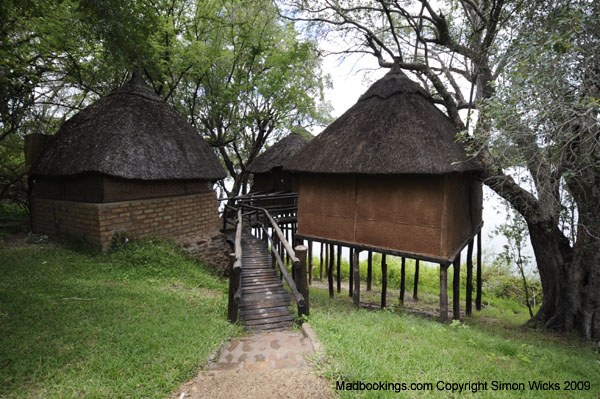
394	128
133	134
279	153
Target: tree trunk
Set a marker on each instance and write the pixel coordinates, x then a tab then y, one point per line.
583	290
570	279
552	254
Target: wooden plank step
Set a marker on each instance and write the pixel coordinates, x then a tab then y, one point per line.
279	313
254	280
269	320
263	290
263	305
260	311
265	302
259	297
271	326
266	283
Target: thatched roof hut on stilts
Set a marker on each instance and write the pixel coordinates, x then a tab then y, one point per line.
269	174
388	176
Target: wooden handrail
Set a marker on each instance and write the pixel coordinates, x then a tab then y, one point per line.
280	235
238	241
237	265
261	196
288	279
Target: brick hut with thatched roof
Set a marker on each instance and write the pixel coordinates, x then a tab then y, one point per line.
127	163
388	176
269	174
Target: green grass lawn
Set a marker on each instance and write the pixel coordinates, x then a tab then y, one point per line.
395	347
134	323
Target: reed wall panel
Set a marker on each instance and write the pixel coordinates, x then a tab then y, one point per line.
429	215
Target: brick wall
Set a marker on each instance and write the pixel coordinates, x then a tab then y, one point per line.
172	217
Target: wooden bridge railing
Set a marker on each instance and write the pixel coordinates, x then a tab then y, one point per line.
277	204
298	286
235	272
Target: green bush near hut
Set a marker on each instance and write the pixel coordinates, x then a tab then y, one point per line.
133	323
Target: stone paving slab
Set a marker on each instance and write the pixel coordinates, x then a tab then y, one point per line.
262	351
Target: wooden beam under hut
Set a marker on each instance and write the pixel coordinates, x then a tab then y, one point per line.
443	292
402	280
339	269
351	272
416	284
356	272
456	289
469	294
383	281
369	270
479	280
330	271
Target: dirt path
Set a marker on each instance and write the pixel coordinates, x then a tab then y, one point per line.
261	365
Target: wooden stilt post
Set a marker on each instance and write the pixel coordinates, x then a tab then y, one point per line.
416	285
479	281
274	249
369	270
469	294
339	269
356	273
326	263
351	272
330	271
310	262
456	289
286	234
321	263
402	281
301	283
383	281
443	292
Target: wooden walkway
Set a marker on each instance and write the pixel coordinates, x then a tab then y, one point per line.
265	303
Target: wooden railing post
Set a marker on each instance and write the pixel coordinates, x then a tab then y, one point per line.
232	307
301	282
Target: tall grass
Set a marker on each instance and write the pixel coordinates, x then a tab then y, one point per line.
133	323
389	347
